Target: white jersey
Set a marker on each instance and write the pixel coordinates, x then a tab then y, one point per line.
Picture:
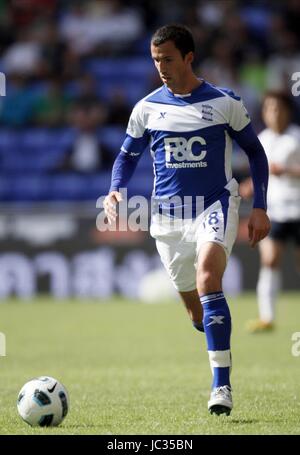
284	190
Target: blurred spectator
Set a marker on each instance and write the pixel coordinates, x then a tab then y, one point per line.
17	105
258	16
169	11
253	73
291	17
213	13
51	108
118	109
24	55
25	12
107	25
87	93
282	64
219	66
53	51
6	29
88	154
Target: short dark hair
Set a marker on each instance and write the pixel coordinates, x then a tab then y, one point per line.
280	95
179	34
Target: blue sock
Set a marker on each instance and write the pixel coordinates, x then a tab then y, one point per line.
217	326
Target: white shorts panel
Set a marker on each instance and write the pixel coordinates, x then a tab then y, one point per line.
178	258
178	242
220	225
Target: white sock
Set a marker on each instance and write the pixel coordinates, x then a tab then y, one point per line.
268	286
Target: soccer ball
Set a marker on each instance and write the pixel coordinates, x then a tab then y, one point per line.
43	402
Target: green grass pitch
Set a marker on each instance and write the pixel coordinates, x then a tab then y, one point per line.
143	369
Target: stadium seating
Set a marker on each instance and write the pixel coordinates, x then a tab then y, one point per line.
27	157
30	157
107	74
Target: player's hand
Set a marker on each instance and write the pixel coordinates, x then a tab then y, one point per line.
258	227
110	205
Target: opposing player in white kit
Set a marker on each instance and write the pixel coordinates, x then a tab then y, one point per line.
281	141
190	125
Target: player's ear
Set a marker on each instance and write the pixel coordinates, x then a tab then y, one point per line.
189	58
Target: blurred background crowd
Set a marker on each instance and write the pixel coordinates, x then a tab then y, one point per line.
74	69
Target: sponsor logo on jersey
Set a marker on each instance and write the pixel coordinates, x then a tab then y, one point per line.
183	153
207	112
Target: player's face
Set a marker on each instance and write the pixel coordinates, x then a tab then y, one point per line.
171	66
276	115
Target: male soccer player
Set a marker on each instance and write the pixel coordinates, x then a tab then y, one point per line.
281	141
190	125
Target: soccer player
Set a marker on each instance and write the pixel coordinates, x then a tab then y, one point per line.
190	125
281	141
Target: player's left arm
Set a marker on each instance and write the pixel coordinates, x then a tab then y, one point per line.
242	132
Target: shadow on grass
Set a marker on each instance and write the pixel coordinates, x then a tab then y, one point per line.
76	426
243	421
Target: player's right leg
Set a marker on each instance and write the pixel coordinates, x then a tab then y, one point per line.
268	285
178	257
193	307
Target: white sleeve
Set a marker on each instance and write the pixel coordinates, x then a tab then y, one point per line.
135	127
238	115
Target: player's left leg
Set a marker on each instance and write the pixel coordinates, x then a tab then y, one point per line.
216	235
217	323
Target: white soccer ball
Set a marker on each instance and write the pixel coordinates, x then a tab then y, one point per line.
43	402
156	287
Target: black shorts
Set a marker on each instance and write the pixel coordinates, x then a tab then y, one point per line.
289	230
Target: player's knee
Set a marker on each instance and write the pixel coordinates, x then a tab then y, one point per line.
273	262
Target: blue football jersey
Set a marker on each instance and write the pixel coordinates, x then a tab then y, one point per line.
190	140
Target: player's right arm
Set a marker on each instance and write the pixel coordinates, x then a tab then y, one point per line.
110	205
136	140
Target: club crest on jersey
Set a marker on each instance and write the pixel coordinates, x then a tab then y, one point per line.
207	112
185	153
